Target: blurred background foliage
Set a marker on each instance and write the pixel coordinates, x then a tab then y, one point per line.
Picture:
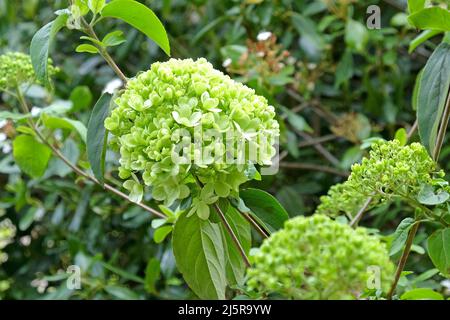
335	85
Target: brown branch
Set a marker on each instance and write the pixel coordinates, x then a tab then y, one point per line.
312	166
360	213
404	257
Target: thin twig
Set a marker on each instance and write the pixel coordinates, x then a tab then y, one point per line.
324	152
404	257
412	130
233	235
312	166
317	140
104	53
253	222
360	213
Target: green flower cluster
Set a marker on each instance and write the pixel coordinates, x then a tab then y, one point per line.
7	232
392	170
16	69
318	258
186	106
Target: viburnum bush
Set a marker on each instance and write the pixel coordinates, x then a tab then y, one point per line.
183	142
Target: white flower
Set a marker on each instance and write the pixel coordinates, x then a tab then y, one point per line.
3	123
263	36
35	111
3	136
227	62
113	85
6	148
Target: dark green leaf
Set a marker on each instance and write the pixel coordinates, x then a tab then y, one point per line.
265	208
400	235
97	136
140	17
235	266
439	250
200	255
40	46
432	93
152	274
52	122
121	293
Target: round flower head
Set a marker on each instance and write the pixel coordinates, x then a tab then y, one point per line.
391	170
318	258
16	69
188	129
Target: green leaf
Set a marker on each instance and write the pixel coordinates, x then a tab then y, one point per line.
311	41
152	274
421	38
53	122
85	47
356	35
31	156
434	18
40	46
121	293
235	266
432	93
265	208
97	136
161	233
113	39
81	98
13	116
200	256
402	136
428	197
96	6
415	95
439	250
297	121
344	69
140	17
400	235
421	294
123	273
415	5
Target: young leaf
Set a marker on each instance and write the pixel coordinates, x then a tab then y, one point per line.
199	253
140	17
415	5
31	156
421	294
434	18
402	136
439	250
85	47
432	93
96	6
428	197
81	98
152	273
161	233
53	122
113	39
265	208
40	46
400	235
97	136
